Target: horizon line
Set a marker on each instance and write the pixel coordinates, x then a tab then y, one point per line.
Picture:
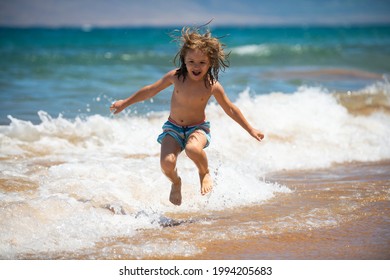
221	25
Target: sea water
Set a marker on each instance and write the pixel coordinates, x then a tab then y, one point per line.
74	176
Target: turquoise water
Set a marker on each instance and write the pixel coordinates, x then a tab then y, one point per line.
78	72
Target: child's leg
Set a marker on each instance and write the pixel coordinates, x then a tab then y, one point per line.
194	150
170	150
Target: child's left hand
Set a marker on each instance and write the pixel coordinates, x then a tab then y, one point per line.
257	134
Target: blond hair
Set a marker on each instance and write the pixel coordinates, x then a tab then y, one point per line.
192	39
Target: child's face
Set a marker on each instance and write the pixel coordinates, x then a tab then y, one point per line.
197	64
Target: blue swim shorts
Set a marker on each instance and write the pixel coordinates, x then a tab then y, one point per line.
182	133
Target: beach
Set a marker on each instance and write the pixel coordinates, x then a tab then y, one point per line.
77	182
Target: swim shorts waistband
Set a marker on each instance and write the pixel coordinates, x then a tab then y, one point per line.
177	124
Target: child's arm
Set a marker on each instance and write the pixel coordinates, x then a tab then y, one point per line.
144	93
234	112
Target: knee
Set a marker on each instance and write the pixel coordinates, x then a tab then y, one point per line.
168	163
193	150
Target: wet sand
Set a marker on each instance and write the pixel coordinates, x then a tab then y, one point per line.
356	196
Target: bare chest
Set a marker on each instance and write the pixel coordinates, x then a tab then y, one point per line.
191	94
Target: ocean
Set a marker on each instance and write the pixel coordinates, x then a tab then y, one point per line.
77	182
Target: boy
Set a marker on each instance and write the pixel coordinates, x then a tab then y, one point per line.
201	57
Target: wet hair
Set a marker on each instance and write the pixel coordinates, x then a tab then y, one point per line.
190	39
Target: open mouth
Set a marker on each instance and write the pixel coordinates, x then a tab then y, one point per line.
196	73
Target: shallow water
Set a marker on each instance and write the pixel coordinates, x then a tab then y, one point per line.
340	212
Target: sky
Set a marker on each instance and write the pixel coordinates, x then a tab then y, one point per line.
108	13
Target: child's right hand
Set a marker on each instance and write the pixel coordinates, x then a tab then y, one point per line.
117	106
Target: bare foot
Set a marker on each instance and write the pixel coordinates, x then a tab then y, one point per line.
175	195
206	183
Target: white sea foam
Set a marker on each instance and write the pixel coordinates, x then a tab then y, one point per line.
99	177
266	50
258	50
